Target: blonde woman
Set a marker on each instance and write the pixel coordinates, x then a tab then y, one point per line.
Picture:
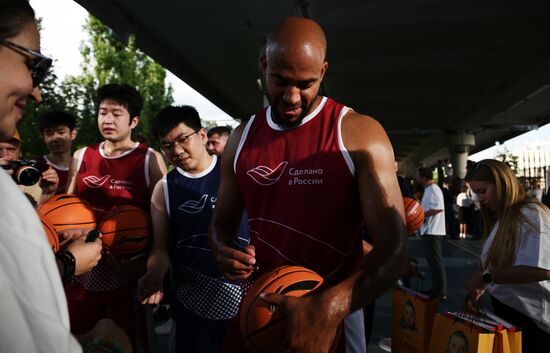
515	260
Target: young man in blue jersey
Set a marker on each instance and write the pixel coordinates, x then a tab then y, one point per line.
182	205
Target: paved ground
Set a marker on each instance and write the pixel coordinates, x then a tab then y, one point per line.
460	258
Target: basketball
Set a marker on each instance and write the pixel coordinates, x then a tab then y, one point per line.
68	212
414	214
126	231
51	234
263	327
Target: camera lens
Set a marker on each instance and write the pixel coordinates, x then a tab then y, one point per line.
27	175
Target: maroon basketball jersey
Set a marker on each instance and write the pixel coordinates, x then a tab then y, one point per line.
107	181
62	173
299	189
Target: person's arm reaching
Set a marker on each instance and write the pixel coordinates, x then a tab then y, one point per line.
150	285
233	263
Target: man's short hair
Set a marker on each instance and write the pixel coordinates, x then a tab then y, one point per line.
171	116
426	173
123	94
55	118
220	130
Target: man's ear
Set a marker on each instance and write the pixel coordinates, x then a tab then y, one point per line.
74	133
134	122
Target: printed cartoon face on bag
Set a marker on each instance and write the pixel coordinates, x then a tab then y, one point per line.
458	343
408	320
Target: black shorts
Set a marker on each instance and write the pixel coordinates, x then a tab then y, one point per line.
464	214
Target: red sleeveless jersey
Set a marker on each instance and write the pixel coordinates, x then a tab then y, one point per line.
107	181
299	189
62	173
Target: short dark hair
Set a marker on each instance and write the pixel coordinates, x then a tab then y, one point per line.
55	118
123	94
220	130
14	15
171	116
427	173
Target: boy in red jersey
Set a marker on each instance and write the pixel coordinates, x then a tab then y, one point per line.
310	173
58	131
117	171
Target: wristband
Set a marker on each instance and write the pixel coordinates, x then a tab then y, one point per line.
69	264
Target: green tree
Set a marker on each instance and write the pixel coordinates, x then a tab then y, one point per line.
108	60
52	99
105	60
504	155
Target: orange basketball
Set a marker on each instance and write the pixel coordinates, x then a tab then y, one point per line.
414	214
51	234
68	212
126	231
263	326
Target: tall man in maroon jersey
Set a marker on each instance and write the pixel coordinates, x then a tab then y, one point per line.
117	171
310	171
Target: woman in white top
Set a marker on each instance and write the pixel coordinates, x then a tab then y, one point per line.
515	260
33	308
465	209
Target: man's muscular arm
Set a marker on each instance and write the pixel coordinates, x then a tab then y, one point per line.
233	263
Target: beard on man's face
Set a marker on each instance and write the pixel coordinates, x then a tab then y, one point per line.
289	124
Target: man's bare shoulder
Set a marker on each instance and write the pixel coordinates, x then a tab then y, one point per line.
79	152
360	131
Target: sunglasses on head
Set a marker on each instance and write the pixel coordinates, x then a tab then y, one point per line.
39	67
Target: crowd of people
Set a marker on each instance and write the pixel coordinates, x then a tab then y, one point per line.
232	205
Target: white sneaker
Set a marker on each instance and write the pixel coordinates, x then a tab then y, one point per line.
385	344
165	328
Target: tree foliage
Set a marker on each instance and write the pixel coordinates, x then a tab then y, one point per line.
105	60
504	155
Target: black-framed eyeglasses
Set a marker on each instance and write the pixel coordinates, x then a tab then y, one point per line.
38	67
181	141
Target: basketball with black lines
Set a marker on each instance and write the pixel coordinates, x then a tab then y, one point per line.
125	231
66	211
264	326
51	234
414	214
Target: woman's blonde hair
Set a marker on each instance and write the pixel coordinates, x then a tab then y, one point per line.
510	199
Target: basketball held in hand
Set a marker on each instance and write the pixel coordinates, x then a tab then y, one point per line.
263	325
66	211
125	231
414	214
51	234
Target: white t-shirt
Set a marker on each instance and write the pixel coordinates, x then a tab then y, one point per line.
33	308
433	200
533	249
464	200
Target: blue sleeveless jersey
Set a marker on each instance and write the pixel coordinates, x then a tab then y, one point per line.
199	284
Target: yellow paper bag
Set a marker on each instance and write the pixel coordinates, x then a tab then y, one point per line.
450	333
412	319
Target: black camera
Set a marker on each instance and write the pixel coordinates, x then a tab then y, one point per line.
26	171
